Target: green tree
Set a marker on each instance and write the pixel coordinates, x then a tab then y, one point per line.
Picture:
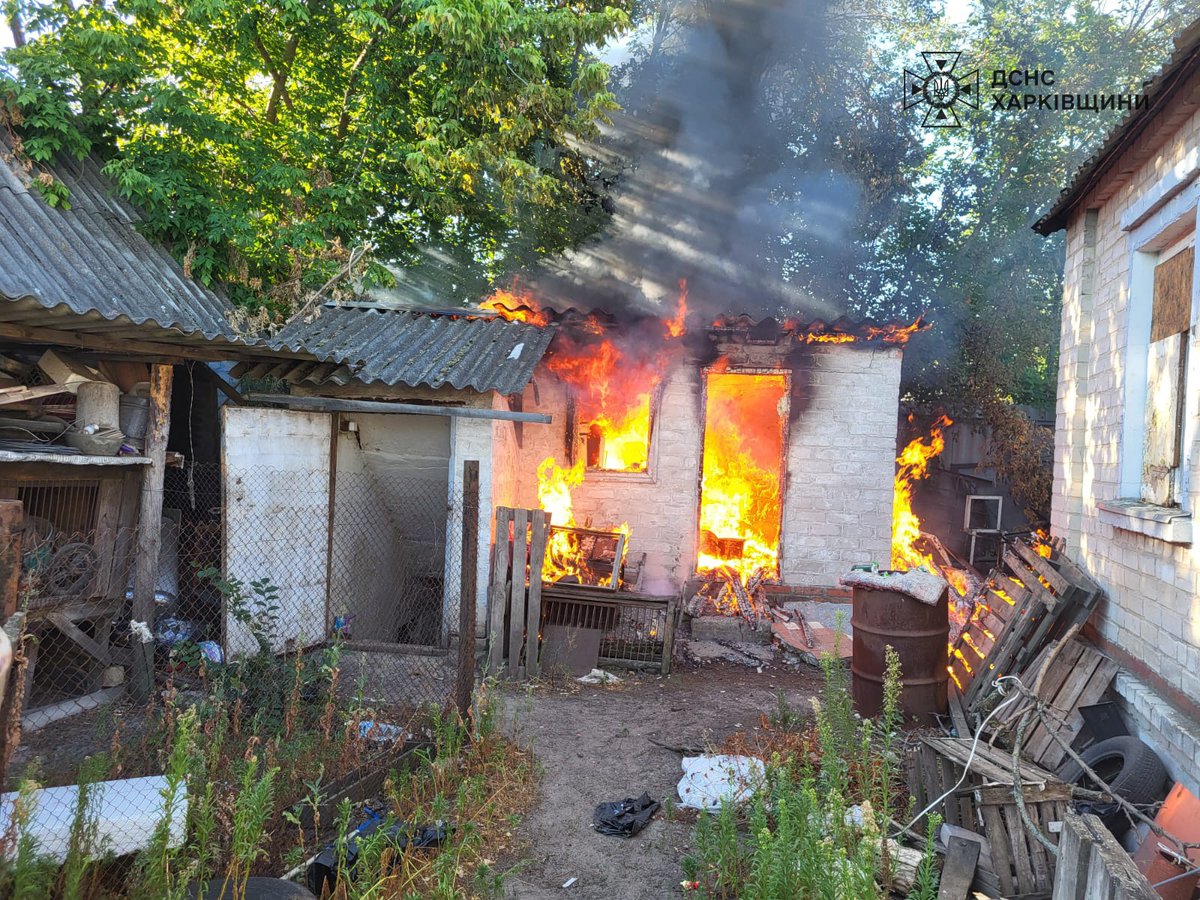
962	246
267	140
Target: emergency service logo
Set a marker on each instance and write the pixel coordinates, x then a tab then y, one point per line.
940	89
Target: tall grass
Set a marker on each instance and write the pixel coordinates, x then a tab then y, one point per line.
471	777
818	828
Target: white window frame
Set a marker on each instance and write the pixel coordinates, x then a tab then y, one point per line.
1171	229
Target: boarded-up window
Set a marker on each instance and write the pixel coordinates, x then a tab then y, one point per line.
1166	365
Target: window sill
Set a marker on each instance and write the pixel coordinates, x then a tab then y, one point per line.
1169	524
602	475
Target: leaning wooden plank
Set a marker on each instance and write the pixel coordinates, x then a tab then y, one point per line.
33	393
540	527
1071	866
993	828
1050	753
1111	871
64	624
957	716
959	870
1062	698
517	591
498	590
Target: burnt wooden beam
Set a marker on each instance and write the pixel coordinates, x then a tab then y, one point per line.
145	573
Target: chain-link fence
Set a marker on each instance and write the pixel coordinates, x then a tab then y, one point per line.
313	615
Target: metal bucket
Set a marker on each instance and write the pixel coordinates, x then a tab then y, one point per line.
918	632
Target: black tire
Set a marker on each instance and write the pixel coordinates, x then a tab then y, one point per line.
1132	770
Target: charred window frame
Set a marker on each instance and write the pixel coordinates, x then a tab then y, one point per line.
1160	363
581	442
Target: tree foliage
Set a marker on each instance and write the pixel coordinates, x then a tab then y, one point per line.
264	140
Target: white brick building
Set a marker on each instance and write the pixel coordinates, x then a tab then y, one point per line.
840	450
1127	449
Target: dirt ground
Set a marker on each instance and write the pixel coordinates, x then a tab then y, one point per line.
594	745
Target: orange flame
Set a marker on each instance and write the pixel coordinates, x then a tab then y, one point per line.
913	465
678	325
1041	543
742	473
516	306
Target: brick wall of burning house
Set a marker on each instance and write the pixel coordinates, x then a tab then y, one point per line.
840	459
1145	559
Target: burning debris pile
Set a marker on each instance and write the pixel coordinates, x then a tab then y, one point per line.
724	592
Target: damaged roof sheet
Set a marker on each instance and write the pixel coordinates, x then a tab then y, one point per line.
90	261
419	347
1170	81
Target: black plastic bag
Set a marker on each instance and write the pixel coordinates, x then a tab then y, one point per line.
625	818
323	873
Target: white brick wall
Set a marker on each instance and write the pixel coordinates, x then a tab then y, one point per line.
838	494
1152	610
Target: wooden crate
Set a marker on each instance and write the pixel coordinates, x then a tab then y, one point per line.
1015	864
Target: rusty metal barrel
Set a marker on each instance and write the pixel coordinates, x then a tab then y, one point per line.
918	632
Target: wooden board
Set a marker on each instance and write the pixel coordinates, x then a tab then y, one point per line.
539	530
498	589
1093	866
1079	676
517	592
958	872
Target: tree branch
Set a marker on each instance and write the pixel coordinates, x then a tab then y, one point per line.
356	72
14	25
279	74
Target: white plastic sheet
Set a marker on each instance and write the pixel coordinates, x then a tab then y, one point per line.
127	812
708	781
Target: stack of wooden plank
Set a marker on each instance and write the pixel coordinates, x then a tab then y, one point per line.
1012	863
1028	601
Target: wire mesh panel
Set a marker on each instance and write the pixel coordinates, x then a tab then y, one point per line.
307	614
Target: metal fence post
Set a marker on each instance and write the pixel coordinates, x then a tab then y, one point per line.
465	683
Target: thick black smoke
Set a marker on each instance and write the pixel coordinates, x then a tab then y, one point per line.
739	136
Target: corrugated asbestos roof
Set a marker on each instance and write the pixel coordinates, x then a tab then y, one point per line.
91	261
416	347
1159	90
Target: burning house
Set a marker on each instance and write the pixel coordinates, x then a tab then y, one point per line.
750	453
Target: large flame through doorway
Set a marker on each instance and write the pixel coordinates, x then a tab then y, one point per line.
745	417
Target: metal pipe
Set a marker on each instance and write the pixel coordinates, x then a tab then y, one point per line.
334	404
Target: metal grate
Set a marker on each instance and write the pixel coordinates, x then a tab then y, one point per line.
633	630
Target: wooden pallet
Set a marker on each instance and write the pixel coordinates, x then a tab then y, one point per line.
1027	601
1066	679
1093	866
514	597
1014	863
